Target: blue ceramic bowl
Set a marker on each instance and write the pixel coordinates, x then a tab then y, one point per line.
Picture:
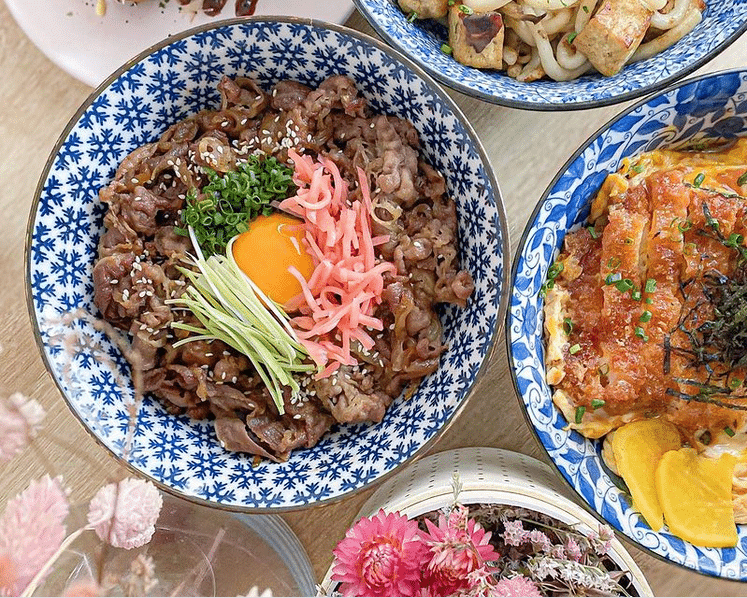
723	22
176	78
714	106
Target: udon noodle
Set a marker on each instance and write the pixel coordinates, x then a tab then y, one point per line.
560	39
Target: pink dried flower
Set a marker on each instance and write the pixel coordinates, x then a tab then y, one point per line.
125	514
380	556
540	541
514	533
31	530
573	550
516	586
458	546
20	420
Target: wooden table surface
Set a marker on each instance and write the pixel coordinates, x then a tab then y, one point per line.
526	149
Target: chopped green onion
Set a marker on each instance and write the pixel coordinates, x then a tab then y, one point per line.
729	431
571	37
624	285
645	316
698	181
446	49
593	232
554	270
649	300
580	413
742	180
650	285
734	240
612	278
567	326
683	228
613	262
412	17
638	168
734	383
597	403
466	9
574	349
636	295
640	333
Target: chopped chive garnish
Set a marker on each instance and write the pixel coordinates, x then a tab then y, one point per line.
649	300
729	431
640	333
567	326
574	349
613	262
466	9
638	168
624	285
554	270
636	295
734	383
593	232
571	37
685	226
698	181
412	17
580	413
446	48
585	8
612	278
597	403
742	180
645	316
650	285
734	240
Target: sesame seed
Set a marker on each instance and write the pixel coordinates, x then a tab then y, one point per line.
114	281
297	416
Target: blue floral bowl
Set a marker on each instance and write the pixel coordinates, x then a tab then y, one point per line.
176	78
710	107
723	22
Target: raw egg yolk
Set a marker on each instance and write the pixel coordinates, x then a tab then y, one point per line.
266	251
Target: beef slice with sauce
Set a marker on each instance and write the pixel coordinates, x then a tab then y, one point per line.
476	39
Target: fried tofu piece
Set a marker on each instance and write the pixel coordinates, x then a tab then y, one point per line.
476	39
613	34
425	9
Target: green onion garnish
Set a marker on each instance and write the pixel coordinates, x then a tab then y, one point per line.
580	413
612	278
640	333
645	316
650	285
593	232
567	326
742	180
638	168
412	17
571	37
729	431
466	9
735	383
698	180
624	285
597	403
574	349
636	295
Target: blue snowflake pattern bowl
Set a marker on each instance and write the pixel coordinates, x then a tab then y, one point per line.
709	107
176	78
723	22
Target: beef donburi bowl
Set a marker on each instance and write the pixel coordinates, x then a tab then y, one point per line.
266	263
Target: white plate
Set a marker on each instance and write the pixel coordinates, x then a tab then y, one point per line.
90	47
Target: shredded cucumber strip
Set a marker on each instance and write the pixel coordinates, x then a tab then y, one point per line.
232	309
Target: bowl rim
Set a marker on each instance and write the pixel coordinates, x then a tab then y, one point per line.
514	268
501	227
556	107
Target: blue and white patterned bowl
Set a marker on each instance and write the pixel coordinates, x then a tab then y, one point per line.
723	22
172	80
714	106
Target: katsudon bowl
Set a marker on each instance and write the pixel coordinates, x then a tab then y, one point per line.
177	78
424	42
705	109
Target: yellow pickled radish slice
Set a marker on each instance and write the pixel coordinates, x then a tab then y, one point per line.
637	448
695	495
